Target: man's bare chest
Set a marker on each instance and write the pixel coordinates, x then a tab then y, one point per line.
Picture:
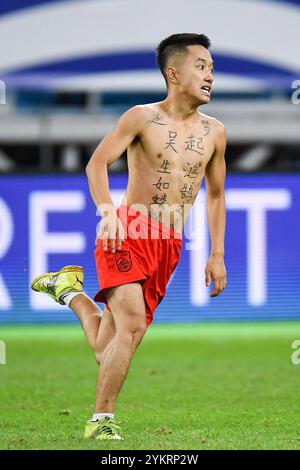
177	148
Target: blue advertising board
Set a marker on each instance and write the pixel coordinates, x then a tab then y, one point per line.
47	222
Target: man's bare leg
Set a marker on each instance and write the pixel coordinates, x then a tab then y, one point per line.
106	332
89	315
98	331
128	309
65	287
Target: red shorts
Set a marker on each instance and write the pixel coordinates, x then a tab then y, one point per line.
149	255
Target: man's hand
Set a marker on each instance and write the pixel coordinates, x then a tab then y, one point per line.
215	270
111	231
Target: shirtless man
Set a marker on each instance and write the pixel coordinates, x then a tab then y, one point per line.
171	147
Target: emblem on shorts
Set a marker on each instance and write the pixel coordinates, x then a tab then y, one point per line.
123	260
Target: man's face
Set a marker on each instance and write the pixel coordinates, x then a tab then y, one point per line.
195	73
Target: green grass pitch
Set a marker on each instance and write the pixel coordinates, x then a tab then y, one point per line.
194	387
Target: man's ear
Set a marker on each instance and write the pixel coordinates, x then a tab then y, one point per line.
172	75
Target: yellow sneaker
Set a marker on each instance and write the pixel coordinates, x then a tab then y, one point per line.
56	285
103	430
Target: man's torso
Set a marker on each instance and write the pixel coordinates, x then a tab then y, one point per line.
166	164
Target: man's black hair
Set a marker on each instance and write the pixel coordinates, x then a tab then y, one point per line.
175	44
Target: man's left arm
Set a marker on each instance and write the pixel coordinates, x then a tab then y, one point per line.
215	173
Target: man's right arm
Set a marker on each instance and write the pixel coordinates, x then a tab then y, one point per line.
109	150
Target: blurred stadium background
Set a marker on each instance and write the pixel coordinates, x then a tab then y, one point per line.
69	68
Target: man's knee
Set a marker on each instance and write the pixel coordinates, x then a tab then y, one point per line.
133	321
129	312
132	332
139	329
134	329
